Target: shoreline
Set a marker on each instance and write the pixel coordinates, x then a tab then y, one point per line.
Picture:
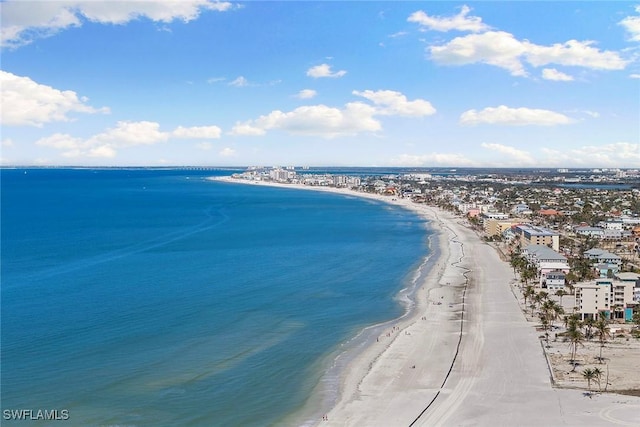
455	362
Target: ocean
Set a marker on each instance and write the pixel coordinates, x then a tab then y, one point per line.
145	297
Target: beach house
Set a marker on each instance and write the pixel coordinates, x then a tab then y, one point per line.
551	266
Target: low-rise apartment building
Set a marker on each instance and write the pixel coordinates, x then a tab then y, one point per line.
551	266
532	235
613	297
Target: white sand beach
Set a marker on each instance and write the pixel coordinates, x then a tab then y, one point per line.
466	355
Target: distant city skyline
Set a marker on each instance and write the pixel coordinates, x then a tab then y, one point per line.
407	84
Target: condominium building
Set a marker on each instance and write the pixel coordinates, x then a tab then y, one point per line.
495	227
592	298
551	266
532	235
614	297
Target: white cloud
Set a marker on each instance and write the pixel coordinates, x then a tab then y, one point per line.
619	154
574	53
634	76
632	25
239	82
395	103
318	120
125	134
459	22
227	152
22	22
131	133
324	70
204	146
306	94
213	80
201	132
494	48
553	74
25	102
60	141
433	159
517	157
503	50
7	142
321	120
398	34
504	115
247	129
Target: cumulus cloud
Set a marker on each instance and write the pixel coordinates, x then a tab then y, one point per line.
504	115
125	134
22	22
324	70
322	120
317	120
496	48
519	157
632	25
227	152
197	132
204	146
27	103
574	53
503	50
619	155
634	76
553	74
389	102
459	22
306	94
239	82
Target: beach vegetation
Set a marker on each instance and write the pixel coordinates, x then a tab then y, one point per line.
575	337
602	331
589	375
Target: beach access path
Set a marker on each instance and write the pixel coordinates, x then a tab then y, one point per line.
466	356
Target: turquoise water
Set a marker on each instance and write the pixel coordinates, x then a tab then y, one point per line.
156	297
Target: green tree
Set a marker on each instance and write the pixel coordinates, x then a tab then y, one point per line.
598	376
575	337
602	331
560	293
589	375
528	293
588	325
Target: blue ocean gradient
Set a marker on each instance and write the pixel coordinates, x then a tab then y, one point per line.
158	298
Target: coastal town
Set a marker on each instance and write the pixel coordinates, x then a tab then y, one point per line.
572	239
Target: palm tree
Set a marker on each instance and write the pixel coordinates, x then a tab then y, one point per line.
560	293
538	298
516	261
588	324
589	374
598	374
575	337
602	330
528	292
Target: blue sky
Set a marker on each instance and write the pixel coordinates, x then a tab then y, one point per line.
364	83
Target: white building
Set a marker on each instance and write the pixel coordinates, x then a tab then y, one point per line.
602	256
592	298
596	232
551	266
613	297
